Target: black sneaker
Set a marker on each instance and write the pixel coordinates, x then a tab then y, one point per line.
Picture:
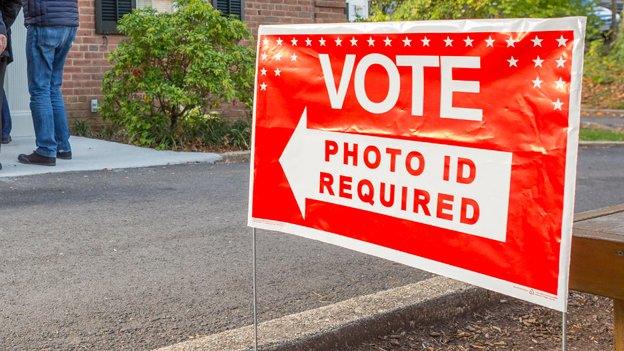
64	155
36	159
6	140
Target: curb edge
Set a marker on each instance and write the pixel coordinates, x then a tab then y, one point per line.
348	323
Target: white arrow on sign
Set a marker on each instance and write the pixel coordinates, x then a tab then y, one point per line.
390	188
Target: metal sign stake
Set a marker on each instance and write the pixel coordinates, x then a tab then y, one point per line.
255	295
564	330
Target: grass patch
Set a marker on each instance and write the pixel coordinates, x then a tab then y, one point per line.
595	134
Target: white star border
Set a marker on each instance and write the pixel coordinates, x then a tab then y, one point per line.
423	40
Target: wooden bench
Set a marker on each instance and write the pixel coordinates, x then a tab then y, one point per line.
597	265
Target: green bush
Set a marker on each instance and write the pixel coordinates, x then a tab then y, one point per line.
173	72
604	61
81	128
603	83
212	131
617	47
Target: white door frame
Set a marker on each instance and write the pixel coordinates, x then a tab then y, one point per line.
16	82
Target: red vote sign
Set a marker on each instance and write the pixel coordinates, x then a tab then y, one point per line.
449	146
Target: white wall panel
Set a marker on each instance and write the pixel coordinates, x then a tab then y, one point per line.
16	82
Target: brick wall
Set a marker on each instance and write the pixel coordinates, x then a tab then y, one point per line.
293	11
330	11
85	66
87	63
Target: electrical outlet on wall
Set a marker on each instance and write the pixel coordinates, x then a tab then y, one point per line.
357	10
95	105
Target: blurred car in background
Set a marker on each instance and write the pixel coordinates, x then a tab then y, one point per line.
618	4
603	11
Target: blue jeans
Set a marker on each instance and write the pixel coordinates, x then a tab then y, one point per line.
6	117
46	50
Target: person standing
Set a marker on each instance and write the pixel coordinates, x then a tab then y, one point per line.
8	12
6	119
51	30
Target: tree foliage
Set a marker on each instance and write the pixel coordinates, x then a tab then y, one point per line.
402	10
604	61
174	70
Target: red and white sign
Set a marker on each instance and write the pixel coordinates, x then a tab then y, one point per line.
449	146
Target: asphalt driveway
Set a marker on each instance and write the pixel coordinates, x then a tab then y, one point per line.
140	258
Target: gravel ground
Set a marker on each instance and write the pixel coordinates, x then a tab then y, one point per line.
511	325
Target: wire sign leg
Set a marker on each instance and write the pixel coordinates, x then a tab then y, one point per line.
255	295
564	332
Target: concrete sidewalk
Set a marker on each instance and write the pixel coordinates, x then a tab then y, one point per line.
607	122
94	154
609	119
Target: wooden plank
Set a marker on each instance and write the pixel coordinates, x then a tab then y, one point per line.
597	263
597	267
601	212
618	309
607	228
